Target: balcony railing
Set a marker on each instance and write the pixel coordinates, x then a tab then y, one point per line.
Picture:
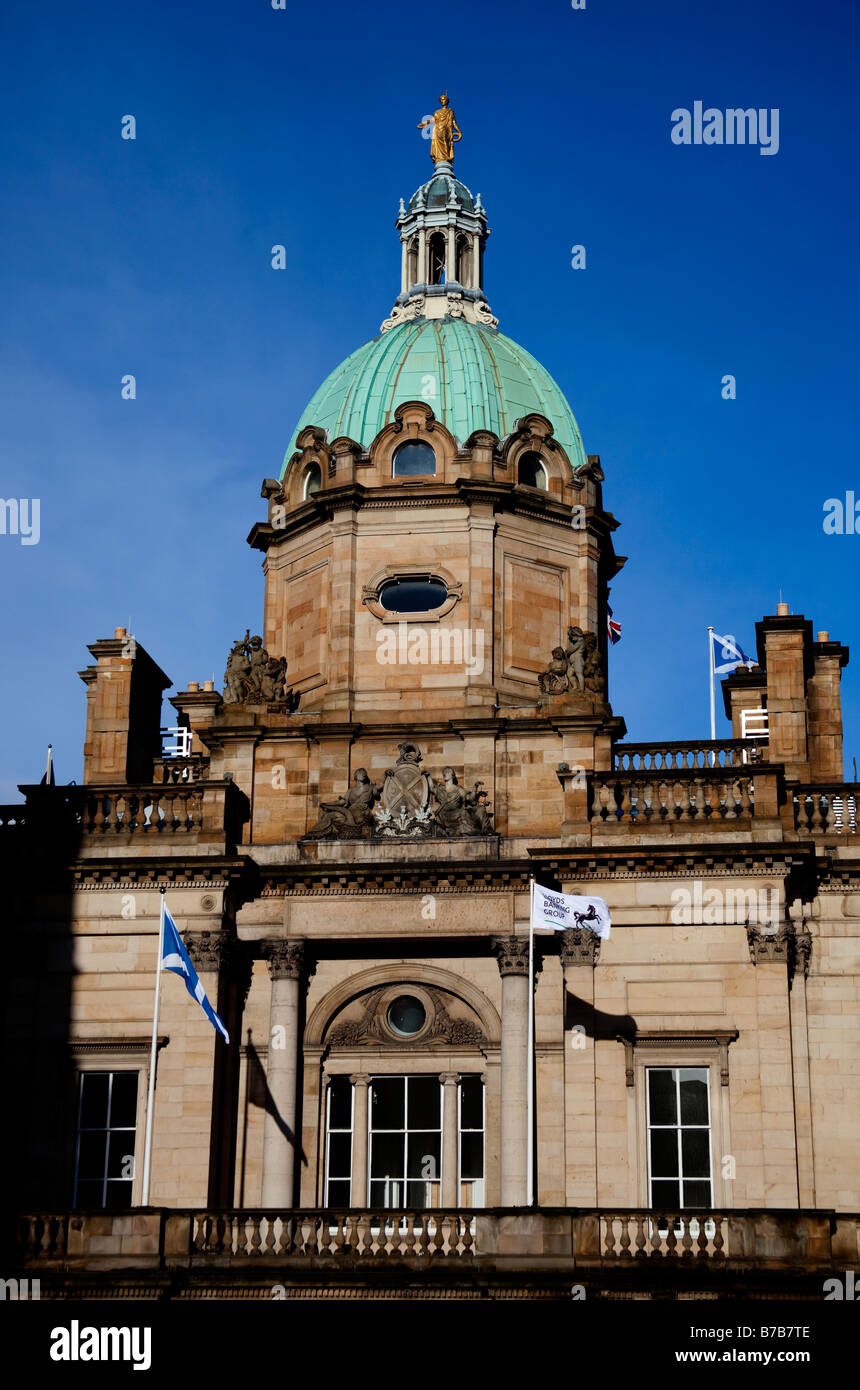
545	1238
371	1235
211	813
644	799
686	756
826	809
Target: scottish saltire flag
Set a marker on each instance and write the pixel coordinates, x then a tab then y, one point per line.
729	654
558	911
175	957
613	629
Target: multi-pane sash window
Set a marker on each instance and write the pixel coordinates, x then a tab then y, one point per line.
405	1141
679	1138
104	1152
471	1141
339	1146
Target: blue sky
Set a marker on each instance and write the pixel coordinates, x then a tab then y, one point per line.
256	127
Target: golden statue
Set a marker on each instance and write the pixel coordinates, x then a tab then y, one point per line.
445	132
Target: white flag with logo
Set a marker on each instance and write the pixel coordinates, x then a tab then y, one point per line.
558	911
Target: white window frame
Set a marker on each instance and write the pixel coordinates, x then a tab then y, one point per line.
477	1186
705	1057
429	1183
329	1131
113	1064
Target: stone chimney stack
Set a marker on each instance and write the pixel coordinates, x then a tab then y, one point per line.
824	697
124	690
785	650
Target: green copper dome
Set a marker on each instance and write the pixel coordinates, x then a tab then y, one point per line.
482	380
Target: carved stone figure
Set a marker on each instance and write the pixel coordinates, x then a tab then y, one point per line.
254	677
236	672
347	817
595	680
459	812
553	681
578	668
258	660
575	653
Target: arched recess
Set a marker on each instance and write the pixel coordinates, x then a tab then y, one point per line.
464	261
406	973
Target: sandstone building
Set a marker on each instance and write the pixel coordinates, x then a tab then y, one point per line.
346	834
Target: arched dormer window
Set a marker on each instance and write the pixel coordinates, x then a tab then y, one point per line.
436	258
531	471
312	480
412	459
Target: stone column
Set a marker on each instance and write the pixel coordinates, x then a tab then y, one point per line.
450	1136
513	957
358	1188
280	1139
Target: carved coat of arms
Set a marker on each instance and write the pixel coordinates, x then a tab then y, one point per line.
405	797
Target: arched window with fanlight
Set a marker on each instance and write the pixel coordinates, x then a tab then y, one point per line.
413	459
312	480
531	471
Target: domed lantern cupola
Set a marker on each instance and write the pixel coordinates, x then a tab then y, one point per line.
443	232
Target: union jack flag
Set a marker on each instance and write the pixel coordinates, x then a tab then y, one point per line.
613	629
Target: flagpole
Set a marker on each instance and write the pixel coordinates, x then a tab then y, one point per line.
711	674
150	1098
530	1079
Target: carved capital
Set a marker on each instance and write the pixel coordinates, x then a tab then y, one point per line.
360	1078
769	946
285	959
579	946
802	949
449	1078
512	954
207	950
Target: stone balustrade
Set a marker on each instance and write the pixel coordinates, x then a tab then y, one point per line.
181	770
829	809
685	756
154	810
546	1238
646	799
199	813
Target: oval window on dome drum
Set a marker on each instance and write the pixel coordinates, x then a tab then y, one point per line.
531	471
413	458
416	594
313	480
